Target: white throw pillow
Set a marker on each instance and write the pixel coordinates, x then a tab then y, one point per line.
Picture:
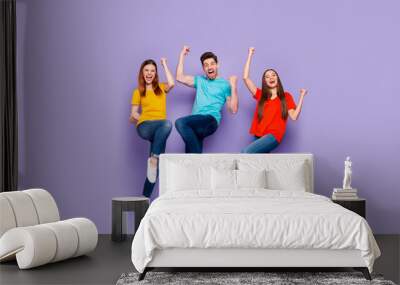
223	179
182	177
282	174
251	178
227	179
291	178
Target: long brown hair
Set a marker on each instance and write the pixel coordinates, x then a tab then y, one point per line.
141	82
266	94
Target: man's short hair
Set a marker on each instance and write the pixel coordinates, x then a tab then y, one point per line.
207	55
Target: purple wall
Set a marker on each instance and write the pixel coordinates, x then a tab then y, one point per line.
77	67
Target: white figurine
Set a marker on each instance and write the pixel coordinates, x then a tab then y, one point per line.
347	174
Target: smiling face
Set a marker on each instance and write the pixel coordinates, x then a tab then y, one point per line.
149	73
271	79
210	67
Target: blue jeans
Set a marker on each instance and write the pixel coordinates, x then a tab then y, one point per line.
264	144
193	129
157	133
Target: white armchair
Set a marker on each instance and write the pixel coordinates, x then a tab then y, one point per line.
31	230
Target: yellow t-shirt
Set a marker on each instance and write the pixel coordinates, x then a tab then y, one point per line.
154	107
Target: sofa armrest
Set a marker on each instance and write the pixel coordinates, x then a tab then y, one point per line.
40	244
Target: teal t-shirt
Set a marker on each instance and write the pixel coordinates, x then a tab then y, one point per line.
210	96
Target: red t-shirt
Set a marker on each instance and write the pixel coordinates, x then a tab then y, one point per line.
271	122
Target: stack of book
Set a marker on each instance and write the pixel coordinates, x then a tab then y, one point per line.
344	194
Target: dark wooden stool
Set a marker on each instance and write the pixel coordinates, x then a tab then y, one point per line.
138	205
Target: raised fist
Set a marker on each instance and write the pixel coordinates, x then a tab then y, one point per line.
185	50
251	50
163	61
233	79
303	92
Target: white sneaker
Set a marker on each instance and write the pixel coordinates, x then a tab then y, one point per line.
151	171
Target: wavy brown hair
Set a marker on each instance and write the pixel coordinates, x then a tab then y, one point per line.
266	94
141	82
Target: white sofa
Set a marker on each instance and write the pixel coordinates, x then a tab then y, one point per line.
31	231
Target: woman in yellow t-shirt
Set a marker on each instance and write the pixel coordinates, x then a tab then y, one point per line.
152	123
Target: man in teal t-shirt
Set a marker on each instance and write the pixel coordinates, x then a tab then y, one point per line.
211	94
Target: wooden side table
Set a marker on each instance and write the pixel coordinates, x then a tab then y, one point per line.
358	206
138	205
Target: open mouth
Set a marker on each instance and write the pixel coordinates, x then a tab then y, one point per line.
210	72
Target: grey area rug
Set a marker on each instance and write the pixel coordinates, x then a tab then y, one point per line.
232	278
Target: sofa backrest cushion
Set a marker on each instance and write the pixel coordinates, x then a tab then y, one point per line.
26	208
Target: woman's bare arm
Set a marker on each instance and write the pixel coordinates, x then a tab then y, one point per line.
135	115
295	113
246	73
170	78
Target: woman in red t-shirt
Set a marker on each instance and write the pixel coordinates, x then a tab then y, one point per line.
274	106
